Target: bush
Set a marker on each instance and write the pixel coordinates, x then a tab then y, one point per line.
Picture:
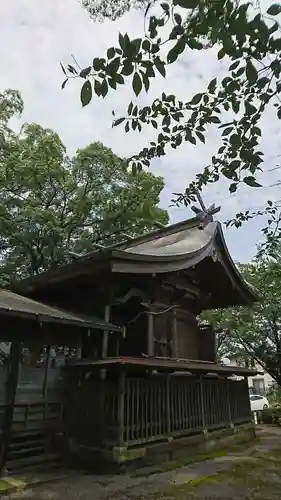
271	416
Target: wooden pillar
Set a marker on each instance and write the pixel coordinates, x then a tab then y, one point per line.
174	333
10	397
150	334
105	333
79	347
46	371
121	407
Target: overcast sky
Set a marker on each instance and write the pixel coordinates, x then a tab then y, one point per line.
36	35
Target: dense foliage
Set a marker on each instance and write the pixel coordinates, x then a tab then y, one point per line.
100	10
255	333
246	38
52	205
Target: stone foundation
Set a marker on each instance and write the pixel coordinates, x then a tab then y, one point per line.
122	458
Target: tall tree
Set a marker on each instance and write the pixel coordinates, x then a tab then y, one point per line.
100	10
255	332
51	205
247	38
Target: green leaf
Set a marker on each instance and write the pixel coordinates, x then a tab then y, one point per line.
235	140
274	10
235	106
64	83
128	68
112	83
196	99
214	119
256	131
186	4
110	53
212	85
251	72
113	66
97	87
63	68
177	18
194	44
121	41
119	78
227	131
145	81
221	54
97	64
165	7
233	187
250	109
104	88
189	137
86	93
251	181
176	51
160	66
130	108
234	65
172	56
137	84
240	71
200	136
85	72
261	83
117	122
146	44
279	113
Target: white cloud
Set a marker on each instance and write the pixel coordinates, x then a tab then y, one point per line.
36	36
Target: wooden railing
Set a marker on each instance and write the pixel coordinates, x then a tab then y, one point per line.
34	416
181	405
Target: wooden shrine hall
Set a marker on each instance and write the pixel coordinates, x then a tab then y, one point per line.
154	388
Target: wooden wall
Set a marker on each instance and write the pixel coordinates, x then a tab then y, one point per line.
187	335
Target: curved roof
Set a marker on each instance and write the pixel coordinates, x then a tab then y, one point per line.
182	247
176	248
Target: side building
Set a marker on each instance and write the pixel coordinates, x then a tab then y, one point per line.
260	383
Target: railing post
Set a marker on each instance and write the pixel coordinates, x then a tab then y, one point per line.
202	406
46	371
168	406
121	406
231	424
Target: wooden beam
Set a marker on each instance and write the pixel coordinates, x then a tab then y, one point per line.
174	333
10	397
150	334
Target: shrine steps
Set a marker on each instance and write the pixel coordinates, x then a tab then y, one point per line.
29	450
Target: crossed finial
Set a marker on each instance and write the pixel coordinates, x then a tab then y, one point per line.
205	215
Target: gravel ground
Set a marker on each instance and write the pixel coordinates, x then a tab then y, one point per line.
253	473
